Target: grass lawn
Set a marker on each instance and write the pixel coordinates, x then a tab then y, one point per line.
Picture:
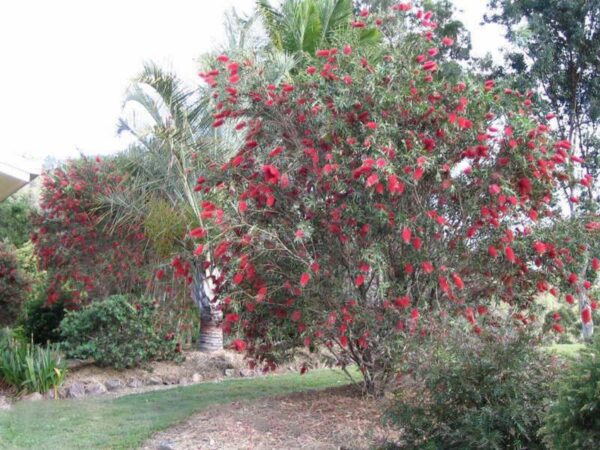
126	422
567	350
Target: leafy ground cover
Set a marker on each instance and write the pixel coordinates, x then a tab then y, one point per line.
126	422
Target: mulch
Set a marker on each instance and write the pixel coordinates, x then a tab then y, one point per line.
337	418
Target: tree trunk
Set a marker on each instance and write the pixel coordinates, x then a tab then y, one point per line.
211	333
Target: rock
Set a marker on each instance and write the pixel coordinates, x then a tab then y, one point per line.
36	396
229	372
247	373
165	445
77	390
135	383
95	388
154	381
63	392
4	404
171	379
113	385
49	395
196	378
184	381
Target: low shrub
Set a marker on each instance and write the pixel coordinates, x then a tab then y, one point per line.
573	420
29	367
14	286
477	392
118	332
41	322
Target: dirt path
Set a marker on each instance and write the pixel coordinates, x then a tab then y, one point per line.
338	418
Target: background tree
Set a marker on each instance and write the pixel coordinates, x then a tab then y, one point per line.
554	50
15	219
14	285
85	258
372	196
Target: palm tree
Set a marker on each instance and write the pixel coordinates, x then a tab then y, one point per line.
162	167
300	27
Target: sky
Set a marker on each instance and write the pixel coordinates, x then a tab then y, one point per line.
66	64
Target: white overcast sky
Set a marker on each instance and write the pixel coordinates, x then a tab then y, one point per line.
67	63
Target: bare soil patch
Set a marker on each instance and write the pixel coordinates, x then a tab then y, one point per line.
337	418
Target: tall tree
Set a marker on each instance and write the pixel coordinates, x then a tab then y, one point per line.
554	51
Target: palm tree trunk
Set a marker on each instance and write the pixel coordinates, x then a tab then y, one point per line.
587	329
211	333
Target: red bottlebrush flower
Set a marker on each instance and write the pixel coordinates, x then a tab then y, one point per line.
372	180
222	58
430	66
160	274
239	345
296	316
458	282
406	235
403	302
304	279
408	268
470	315
414	314
570	299
427	267
418	173
558	328
347	49
587	284
299	234
322	53
198	232
359	280
357	24
444	286
417	243
482	310
494	189
572	278
586	315
271	174
242	206
199	250
540	248
447	41
344	341
238	278
492	251
232	317
596	264
371	125
315	267
311	70
525	186
510	254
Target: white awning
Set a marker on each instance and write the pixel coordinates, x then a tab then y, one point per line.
15	173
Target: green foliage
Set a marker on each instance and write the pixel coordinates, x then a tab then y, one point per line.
483	392
118	332
28	367
573	421
15	223
164	226
29	264
13	286
40	321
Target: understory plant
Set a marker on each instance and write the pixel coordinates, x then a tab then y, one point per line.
375	193
28	367
573	420
14	286
119	332
476	392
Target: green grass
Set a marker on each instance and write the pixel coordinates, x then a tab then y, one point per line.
128	421
566	350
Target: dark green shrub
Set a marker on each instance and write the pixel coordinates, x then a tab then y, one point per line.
40	321
28	367
573	420
14	286
118	332
476	392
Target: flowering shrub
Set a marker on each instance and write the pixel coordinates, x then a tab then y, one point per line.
573	421
73	241
473	392
372	196
13	286
118	332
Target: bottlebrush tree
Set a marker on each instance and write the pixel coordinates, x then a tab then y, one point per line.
373	197
86	259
